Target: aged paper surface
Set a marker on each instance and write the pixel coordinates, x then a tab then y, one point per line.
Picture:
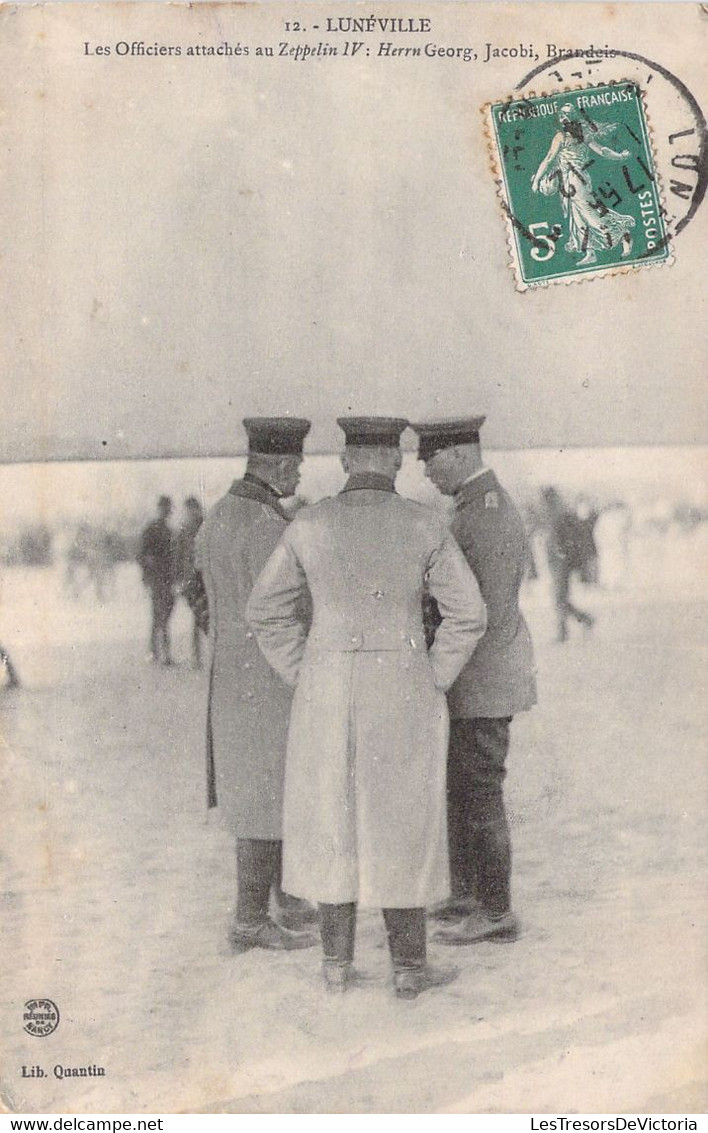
216	211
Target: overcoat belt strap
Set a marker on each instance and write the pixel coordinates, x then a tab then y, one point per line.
349	640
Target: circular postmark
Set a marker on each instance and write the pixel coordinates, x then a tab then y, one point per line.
677	122
40	1017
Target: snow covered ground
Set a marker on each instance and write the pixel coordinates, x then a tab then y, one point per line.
118	888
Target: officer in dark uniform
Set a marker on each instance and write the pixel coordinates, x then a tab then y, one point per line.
496	683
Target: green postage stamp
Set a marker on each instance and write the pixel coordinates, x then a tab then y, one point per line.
577	180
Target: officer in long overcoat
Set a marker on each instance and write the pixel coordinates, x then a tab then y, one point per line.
364	813
249	705
496	683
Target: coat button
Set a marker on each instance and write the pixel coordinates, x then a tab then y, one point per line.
247	664
249	634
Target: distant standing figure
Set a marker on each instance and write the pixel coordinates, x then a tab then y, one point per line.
13	681
185	568
89	561
564	551
586	520
613	535
157	561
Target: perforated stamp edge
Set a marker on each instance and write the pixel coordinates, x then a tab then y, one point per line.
495	160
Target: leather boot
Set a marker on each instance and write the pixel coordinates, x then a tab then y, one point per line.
268	935
409	983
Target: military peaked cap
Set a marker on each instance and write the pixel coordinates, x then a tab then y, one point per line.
446	433
279	436
375	431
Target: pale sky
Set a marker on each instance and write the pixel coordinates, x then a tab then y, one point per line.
186	242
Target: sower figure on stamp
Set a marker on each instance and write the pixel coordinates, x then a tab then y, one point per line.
364	814
496	683
249	705
156	558
592	225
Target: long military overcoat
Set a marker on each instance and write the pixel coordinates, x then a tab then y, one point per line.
249	705
499	679
365	811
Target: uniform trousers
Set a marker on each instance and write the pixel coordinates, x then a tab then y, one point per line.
259	864
405	929
478	831
564	607
162	602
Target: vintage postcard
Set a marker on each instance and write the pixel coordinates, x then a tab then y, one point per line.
490	214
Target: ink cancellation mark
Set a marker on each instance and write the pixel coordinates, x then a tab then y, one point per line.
676	121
